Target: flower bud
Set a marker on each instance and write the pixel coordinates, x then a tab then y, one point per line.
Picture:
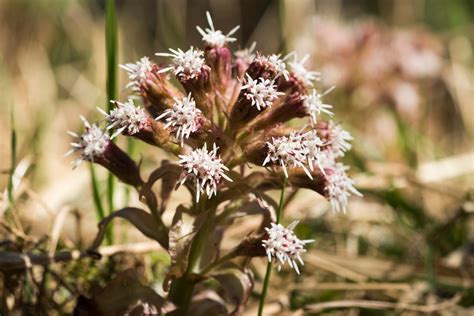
337	139
155	88
158	93
242	61
120	164
255	96
292	107
96	146
130	120
220	61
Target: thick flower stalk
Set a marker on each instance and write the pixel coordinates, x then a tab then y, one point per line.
225	129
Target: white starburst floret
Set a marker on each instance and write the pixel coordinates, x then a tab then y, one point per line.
307	77
262	94
313	145
184	117
91	144
205	169
339	139
137	72
277	63
214	37
339	187
247	54
296	150
288	152
125	117
283	245
314	106
184	63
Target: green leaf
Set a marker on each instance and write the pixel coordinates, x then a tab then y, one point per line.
142	220
208	303
237	285
181	237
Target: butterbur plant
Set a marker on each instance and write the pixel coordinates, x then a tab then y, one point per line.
226	129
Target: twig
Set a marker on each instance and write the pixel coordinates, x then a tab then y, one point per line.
384	305
353	287
335	268
57	228
17	260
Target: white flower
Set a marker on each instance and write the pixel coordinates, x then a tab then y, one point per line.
314	106
247	54
261	93
296	150
184	118
339	139
125	117
137	72
313	149
187	64
305	76
205	168
339	187
215	37
91	144
277	63
283	245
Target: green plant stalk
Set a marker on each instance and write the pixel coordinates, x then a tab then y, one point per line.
130	151
99	208
268	273
111	51
13	144
182	288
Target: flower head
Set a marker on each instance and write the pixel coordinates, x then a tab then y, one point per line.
213	37
338	139
283	245
247	54
339	187
304	75
262	94
295	150
184	118
91	144
313	145
276	63
186	64
125	117
314	106
205	168
137	72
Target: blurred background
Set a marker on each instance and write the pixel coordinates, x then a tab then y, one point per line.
404	77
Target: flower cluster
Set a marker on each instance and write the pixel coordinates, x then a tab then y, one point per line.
205	169
91	144
213	37
225	126
283	245
183	117
262	94
186	64
137	72
125	118
295	150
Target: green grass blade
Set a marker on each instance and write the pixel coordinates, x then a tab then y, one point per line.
13	144
111	51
